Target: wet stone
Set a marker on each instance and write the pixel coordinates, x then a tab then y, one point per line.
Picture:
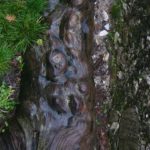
58	62
63	90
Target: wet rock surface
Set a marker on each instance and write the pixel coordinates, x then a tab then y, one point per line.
63	65
57	88
58	98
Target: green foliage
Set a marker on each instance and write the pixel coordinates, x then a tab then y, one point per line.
5	57
26	26
6	103
39	42
20	26
116	9
35	6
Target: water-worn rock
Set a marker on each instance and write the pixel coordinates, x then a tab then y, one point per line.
57	92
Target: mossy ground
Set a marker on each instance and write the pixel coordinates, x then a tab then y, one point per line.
129	48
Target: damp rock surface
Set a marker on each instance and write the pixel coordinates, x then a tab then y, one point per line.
57	87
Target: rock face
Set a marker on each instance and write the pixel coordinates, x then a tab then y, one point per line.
57	92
